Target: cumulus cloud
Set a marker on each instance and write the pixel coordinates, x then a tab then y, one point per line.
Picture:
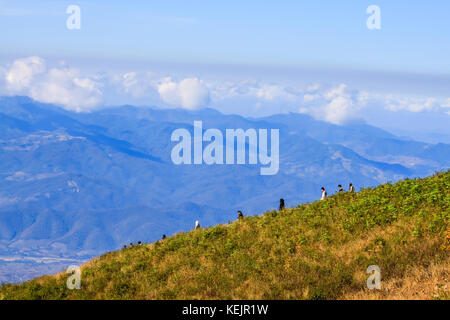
336	105
22	72
190	93
75	91
64	86
341	105
137	85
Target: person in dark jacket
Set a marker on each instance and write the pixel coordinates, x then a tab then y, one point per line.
281	204
340	188
240	215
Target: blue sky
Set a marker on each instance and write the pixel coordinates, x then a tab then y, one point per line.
414	37
271	50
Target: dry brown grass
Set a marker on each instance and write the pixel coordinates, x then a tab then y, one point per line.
418	283
346	252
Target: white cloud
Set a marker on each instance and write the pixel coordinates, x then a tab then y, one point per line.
22	72
339	110
64	86
248	88
363	98
230	89
446	104
132	85
136	85
313	87
190	93
310	97
336	105
68	88
274	92
411	104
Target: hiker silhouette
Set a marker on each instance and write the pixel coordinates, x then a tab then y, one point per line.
281	204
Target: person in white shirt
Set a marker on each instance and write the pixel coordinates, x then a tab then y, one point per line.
197	225
324	194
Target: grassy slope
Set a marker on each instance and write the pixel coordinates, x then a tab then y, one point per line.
315	251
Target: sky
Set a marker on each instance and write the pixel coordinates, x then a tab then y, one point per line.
253	58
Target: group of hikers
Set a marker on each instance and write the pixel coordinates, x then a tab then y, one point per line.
351	188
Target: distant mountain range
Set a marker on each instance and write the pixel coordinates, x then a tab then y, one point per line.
73	185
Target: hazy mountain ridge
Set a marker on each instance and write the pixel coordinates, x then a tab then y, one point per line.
77	184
